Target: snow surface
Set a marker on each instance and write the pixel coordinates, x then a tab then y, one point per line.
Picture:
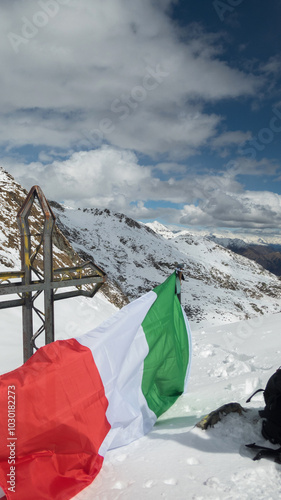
176	460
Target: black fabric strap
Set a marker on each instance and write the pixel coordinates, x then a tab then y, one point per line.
249	399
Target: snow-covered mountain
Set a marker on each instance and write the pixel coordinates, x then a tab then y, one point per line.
230	242
267	254
219	285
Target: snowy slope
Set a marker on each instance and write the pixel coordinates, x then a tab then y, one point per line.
220	285
177	461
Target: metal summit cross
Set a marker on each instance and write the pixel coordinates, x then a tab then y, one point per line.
49	280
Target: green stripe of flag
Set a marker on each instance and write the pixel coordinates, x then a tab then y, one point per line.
166	364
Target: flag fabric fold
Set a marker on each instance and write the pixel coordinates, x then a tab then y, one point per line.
75	399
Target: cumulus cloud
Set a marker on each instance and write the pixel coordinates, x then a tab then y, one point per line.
194	216
251	209
272	66
101	178
105	177
114	178
229	138
251	167
117	72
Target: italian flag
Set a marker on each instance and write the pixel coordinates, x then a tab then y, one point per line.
75	399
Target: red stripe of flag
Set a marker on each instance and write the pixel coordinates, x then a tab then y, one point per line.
60	423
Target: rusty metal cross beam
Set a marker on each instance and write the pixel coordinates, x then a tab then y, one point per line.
49	280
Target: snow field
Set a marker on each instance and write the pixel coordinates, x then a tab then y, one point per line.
179	461
176	460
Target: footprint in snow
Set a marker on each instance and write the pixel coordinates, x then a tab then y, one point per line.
207	352
214	483
120	485
192	461
149	484
171	482
121	458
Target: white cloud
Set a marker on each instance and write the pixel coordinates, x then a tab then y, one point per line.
247	166
194	216
113	178
101	178
115	71
231	138
250	209
272	66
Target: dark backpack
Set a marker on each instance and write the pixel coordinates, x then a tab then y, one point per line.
271	415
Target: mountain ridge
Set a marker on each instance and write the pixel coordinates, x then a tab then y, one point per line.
268	255
220	286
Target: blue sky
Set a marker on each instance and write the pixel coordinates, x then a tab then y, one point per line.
162	109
